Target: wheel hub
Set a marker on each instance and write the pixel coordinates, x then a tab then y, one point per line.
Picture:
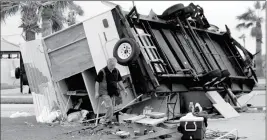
124	50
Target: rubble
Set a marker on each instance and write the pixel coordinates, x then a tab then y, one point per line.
78	116
171	66
20	114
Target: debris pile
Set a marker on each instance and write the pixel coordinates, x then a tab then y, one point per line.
20	114
213	134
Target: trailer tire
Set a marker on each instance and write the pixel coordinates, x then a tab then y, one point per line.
211	75
126	51
171	10
17	73
225	73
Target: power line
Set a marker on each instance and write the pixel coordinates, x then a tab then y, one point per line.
11	35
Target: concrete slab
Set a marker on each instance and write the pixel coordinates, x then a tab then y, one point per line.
250	125
255	98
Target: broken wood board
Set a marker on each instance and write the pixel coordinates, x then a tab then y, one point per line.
151	122
156	134
134	119
226	110
215	97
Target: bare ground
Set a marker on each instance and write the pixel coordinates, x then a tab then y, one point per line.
250	125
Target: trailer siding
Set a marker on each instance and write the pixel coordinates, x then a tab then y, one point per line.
68	52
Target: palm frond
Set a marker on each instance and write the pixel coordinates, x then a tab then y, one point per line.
242	36
29	14
57	20
244	25
77	8
240	25
9	8
249	15
257	5
34	28
260	19
71	18
63	5
249	24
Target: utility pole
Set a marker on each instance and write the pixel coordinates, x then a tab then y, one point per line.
243	37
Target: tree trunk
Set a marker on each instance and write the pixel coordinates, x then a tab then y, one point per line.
46	21
258	57
30	35
46	27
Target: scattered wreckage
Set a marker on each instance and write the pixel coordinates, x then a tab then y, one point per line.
167	61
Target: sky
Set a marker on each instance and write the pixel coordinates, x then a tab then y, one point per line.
219	13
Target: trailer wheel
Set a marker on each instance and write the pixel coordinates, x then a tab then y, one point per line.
211	75
171	10
126	51
17	73
225	73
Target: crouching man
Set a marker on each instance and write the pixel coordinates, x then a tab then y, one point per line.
106	86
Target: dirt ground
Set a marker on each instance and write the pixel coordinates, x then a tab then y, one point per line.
250	125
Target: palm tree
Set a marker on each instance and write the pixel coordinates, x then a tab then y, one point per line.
49	12
252	19
71	19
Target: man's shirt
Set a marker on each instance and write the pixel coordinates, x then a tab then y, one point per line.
112	79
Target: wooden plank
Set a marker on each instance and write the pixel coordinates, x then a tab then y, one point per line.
195	50
226	110
176	48
221	48
65	37
189	52
215	97
156	134
207	52
151	122
70	60
134	119
166	49
214	51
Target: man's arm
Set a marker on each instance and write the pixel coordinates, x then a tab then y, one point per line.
121	83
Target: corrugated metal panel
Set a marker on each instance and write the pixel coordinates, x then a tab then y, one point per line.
35	64
39	77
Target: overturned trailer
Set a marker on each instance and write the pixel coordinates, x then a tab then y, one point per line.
172	59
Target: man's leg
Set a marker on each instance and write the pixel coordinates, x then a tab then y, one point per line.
109	107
